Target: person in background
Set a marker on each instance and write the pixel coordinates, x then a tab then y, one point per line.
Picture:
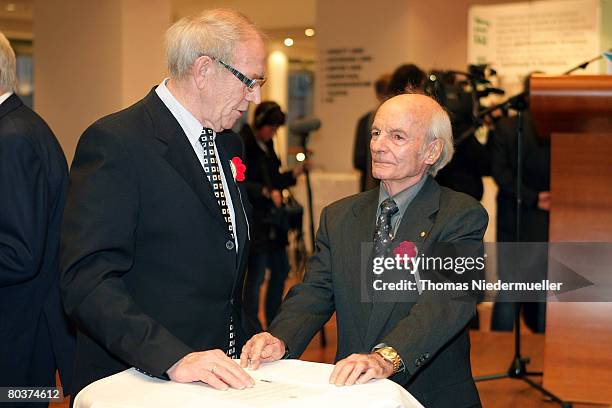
362	160
35	336
407	78
535	191
265	183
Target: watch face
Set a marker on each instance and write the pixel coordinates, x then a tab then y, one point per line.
391	356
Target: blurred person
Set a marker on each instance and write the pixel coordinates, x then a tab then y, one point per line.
35	336
362	160
407	78
422	345
265	183
470	164
472	159
535	192
155	232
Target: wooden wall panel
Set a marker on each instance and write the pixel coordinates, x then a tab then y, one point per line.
578	346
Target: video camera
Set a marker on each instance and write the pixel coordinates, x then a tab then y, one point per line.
460	93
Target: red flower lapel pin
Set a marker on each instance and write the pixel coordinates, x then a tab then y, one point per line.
406	248
238	168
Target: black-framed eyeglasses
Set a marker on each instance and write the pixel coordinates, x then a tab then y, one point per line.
251	84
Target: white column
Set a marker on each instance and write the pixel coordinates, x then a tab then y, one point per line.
92	58
275	89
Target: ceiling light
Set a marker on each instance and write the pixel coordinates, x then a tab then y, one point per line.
309	32
288	41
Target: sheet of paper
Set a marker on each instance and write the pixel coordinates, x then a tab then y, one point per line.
267	393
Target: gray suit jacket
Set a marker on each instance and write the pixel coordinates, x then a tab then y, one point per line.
429	334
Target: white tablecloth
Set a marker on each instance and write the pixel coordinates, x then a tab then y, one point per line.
285	383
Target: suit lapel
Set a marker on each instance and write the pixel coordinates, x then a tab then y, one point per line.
180	154
414	227
357	259
11	103
236	195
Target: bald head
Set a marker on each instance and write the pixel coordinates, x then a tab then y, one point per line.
416	109
411	136
422	114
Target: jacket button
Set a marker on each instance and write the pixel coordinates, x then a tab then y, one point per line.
426	356
229	245
417	362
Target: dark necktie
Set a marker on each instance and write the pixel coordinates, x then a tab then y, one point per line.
383	234
213	172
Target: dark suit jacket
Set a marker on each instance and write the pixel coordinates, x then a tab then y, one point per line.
149	270
362	157
430	335
470	163
263	171
536	178
534	221
34	333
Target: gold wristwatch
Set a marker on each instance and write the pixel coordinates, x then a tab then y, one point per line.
389	354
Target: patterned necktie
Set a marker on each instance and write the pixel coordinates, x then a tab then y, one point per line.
212	171
383	234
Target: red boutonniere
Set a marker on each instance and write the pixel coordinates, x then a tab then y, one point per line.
406	248
238	168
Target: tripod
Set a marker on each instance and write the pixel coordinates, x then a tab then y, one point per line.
518	366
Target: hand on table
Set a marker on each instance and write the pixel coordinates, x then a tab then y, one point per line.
544	200
212	367
261	348
359	369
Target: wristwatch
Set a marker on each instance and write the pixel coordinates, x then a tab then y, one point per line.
389	354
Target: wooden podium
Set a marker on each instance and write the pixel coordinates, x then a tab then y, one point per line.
576	113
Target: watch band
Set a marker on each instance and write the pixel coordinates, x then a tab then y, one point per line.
390	355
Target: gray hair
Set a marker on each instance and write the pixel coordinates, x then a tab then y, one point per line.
8	67
439	128
212	32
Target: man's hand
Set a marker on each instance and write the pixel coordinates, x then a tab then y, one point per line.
212	367
300	168
277	198
360	368
544	200
261	348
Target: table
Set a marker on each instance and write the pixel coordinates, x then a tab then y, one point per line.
285	383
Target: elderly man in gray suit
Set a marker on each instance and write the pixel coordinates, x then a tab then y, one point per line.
423	344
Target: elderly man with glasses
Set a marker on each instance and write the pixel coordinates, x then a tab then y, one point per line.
155	230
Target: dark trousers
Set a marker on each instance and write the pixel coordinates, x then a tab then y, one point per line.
527	263
278	264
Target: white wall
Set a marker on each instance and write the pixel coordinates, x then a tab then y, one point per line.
93	58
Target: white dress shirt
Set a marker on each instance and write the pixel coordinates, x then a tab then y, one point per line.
5	96
193	129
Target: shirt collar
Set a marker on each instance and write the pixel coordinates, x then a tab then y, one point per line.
191	126
403	198
5	96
